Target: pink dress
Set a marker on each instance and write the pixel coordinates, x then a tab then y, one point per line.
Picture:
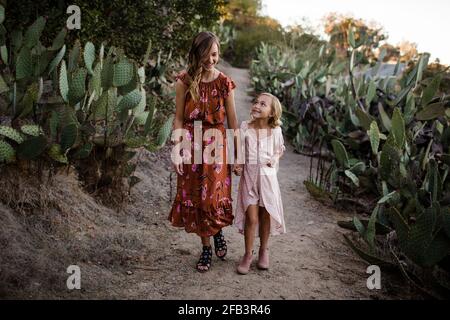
259	184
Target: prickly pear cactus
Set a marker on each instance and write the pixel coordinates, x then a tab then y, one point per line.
7	153
130	101
165	131
11	133
77	87
89	56
72	102
32	148
24	64
31	129
63	82
123	72
55	152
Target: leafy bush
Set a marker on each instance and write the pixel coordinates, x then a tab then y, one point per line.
251	29
248	40
170	25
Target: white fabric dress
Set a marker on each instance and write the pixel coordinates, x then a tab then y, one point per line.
258	184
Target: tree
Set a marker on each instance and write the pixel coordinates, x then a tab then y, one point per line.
251	29
392	52
238	8
337	26
408	51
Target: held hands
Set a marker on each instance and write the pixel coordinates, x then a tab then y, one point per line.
237	169
178	168
272	162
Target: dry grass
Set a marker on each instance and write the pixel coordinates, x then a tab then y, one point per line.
48	223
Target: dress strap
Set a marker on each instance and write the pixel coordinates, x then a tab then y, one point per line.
184	77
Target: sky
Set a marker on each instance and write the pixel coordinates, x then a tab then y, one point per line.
424	22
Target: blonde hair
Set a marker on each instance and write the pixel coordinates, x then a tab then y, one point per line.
276	109
200	47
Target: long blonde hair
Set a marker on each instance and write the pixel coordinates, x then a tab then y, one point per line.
276	108
201	45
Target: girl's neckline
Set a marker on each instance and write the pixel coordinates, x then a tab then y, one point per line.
269	135
213	79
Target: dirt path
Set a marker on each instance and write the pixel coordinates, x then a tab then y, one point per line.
311	261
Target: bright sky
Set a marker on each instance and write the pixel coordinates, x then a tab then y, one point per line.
424	22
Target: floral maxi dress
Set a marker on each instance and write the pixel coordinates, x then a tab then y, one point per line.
203	203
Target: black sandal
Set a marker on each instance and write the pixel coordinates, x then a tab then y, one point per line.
205	259
220	244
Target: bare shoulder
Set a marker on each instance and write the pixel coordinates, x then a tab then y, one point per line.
181	83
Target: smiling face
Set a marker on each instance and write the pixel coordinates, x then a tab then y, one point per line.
261	107
210	60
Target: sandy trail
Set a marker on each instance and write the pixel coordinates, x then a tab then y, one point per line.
311	261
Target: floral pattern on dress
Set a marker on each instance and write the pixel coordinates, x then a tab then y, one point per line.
203	203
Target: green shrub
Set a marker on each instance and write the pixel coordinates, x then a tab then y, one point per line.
248	40
170	25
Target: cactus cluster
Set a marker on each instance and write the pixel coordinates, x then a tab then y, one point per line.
64	101
378	136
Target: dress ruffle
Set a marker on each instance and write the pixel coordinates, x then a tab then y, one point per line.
228	85
203	222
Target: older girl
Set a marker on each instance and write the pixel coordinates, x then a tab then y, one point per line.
203	203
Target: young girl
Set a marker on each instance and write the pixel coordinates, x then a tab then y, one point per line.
259	206
203	203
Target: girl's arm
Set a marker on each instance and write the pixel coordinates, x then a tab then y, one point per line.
180	89
231	111
232	120
279	151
